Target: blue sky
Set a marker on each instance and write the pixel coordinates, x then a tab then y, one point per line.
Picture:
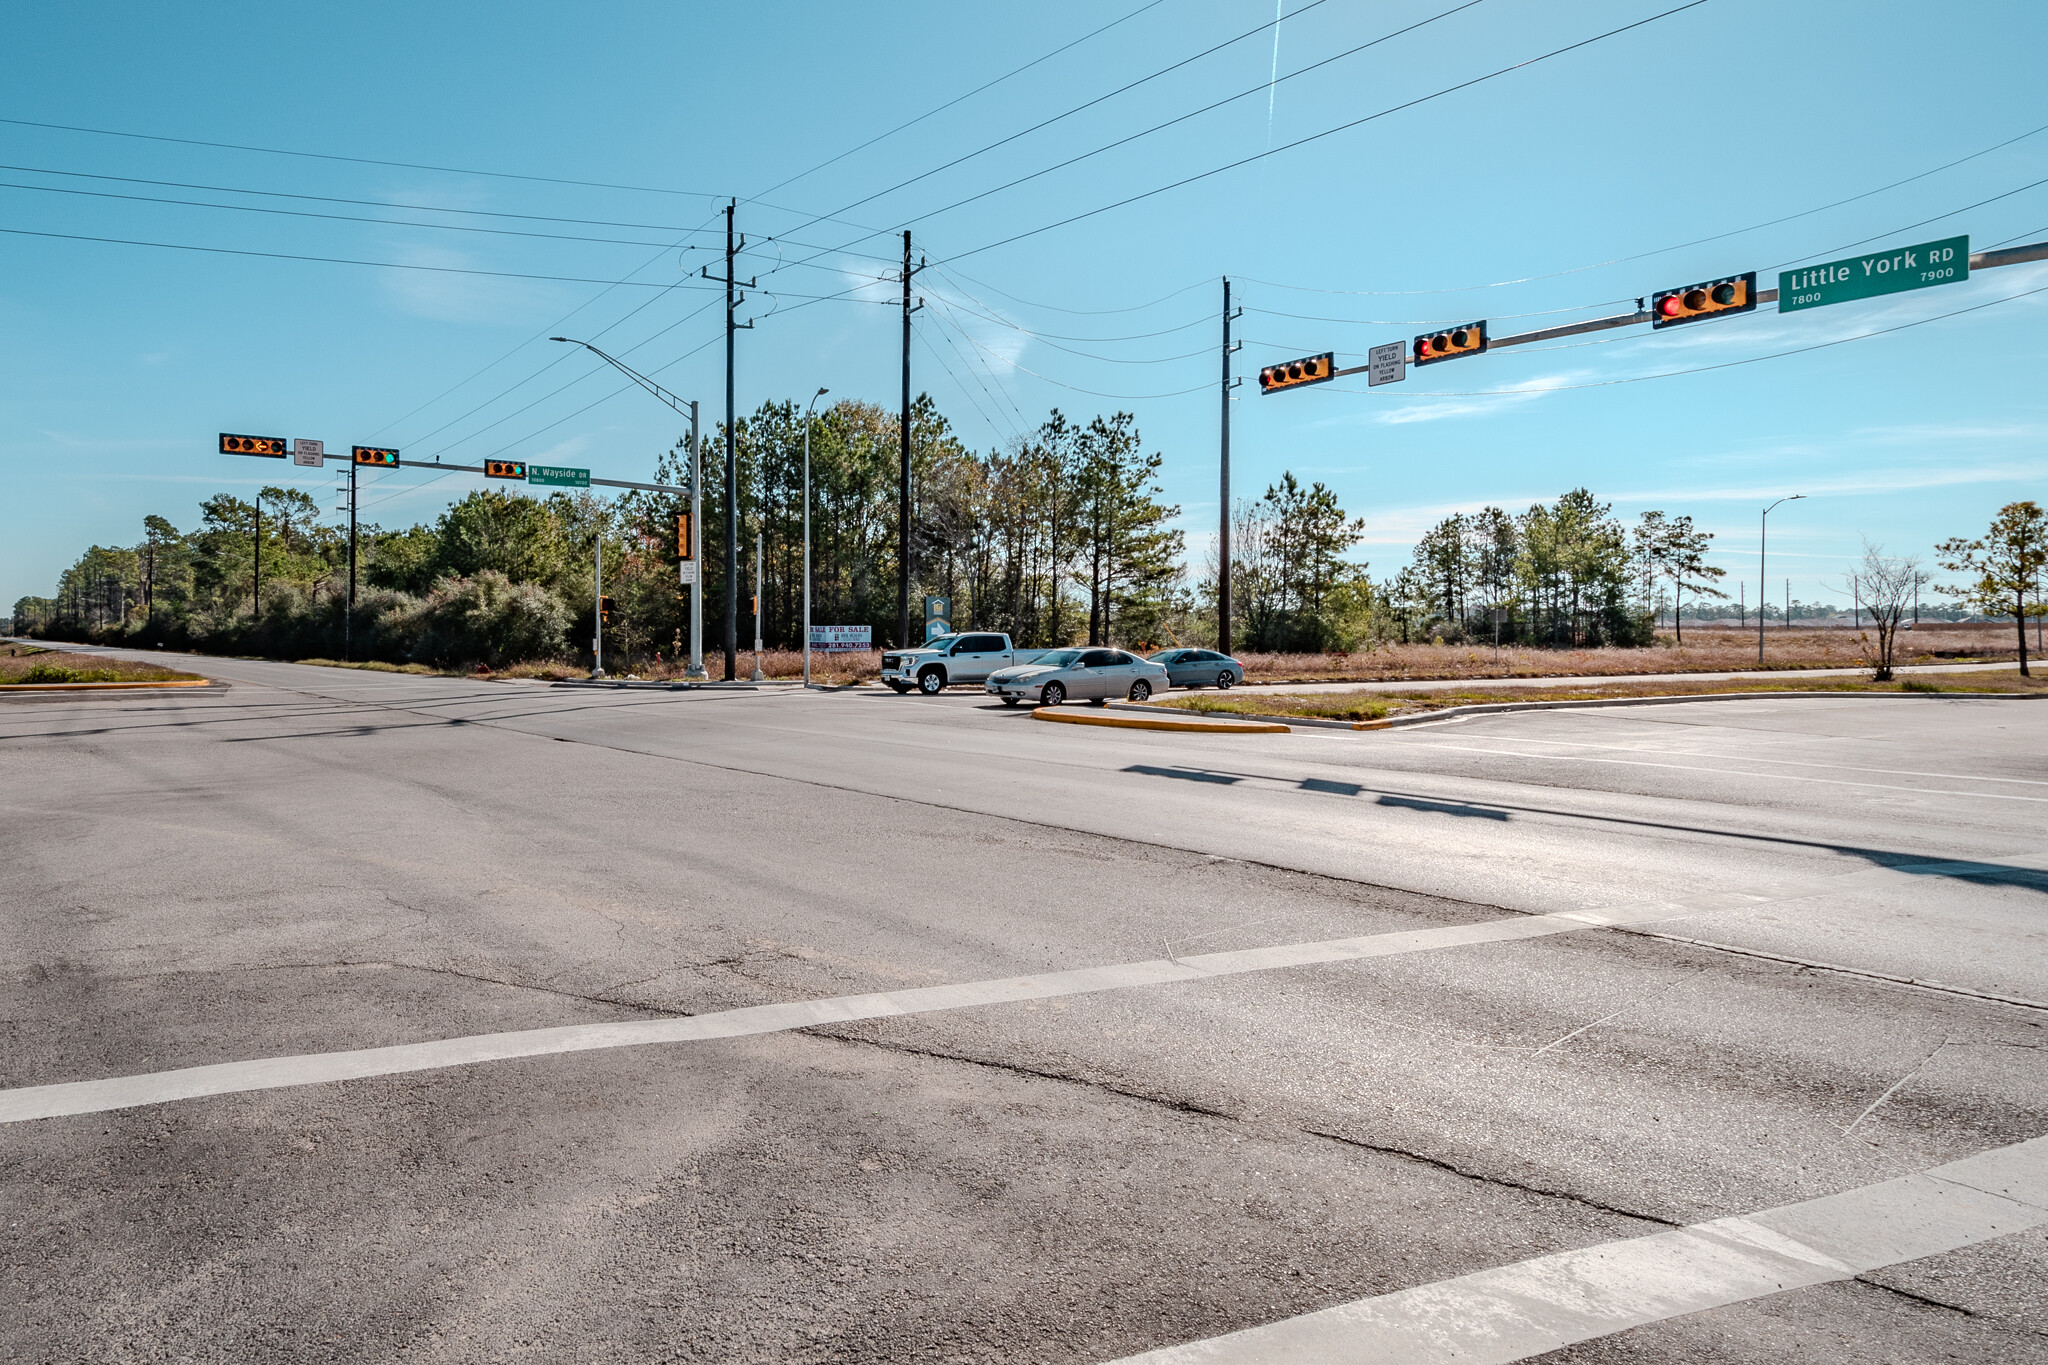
1552	192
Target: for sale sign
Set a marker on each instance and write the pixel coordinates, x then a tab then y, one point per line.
841	639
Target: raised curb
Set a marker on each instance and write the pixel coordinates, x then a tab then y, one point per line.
1488	708
1214	727
7	689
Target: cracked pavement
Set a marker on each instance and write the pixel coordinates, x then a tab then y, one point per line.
316	859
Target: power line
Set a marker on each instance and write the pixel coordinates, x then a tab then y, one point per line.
1681	246
1089	104
957	273
986	85
1327	132
380	265
1196	113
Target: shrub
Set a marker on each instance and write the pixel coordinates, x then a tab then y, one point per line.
485	618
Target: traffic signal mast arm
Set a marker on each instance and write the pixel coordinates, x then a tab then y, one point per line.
1979	260
438	467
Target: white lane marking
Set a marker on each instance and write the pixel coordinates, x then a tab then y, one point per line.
1697	771
269	1073
1517	1311
1782	762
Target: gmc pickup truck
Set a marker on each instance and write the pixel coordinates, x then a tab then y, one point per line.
952	660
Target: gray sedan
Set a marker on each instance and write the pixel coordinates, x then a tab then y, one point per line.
1199	668
1096	675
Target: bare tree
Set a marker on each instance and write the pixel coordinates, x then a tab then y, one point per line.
1887	586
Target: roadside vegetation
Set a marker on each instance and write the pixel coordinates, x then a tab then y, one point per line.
1357	706
22	666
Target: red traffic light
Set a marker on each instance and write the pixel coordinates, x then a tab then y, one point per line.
272	447
1290	374
1714	298
376	455
1467	338
504	469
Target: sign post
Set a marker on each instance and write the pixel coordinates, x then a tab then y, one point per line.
1921	266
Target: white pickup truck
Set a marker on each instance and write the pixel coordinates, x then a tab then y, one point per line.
951	661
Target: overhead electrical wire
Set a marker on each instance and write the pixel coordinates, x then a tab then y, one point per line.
1327	132
1068	113
959	99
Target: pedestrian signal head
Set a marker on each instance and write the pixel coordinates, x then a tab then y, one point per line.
605	608
1292	374
1715	298
504	469
273	446
1465	339
376	455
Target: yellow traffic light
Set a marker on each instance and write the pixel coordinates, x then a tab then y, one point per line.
683	547
1291	374
504	469
271	446
376	455
1715	298
1465	339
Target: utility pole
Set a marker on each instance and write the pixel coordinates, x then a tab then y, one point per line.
903	640
759	676
732	466
1223	521
256	585
597	613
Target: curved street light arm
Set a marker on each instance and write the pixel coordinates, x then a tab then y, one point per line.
680	405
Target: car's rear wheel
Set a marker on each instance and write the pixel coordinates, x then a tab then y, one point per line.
1052	695
931	682
1225	678
1141	690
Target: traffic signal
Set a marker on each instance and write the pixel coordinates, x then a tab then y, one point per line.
1715	298
376	455
272	446
504	469
605	609
683	547
1292	374
1465	339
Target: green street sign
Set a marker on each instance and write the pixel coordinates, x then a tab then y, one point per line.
1865	277
556	476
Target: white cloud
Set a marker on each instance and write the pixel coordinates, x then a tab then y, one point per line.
442	295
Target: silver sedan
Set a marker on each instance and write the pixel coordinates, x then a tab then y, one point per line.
1200	667
1095	675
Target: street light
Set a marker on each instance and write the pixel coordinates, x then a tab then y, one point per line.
689	409
807	533
1763	534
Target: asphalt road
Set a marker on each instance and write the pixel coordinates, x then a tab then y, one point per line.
621	1026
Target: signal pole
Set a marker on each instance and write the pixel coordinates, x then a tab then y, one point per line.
348	621
696	669
1223	523
256	582
903	640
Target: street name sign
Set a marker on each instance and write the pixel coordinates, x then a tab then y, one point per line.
557	476
308	454
1921	266
1386	364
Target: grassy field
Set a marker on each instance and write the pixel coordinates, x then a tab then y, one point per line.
1380	705
1706	650
25	665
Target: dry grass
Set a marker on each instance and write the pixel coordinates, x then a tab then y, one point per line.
1380	705
1706	650
26	666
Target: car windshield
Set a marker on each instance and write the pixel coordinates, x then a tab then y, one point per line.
1163	655
1058	658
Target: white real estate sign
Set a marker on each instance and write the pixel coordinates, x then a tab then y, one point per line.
838	639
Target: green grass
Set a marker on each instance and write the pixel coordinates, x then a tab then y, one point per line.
41	667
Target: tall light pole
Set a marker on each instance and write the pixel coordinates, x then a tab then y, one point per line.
688	408
1763	533
807	533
